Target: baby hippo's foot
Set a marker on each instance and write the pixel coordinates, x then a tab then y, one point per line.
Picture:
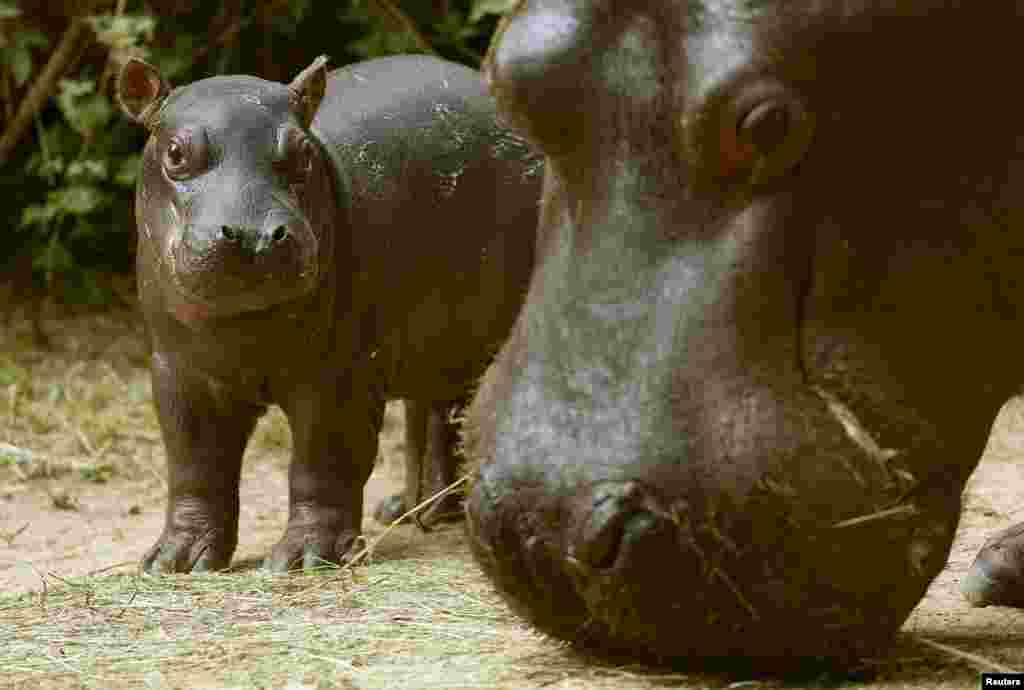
199	536
996	577
315	537
447	509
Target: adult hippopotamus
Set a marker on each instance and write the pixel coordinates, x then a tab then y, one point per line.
322	245
776	306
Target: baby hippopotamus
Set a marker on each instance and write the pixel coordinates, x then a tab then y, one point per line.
323	245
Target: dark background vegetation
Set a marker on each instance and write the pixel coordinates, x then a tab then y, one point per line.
68	158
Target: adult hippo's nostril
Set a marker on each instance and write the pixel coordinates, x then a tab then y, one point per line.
622	513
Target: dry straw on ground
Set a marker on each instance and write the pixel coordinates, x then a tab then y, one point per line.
81	493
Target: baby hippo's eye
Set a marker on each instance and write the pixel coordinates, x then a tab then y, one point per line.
185	155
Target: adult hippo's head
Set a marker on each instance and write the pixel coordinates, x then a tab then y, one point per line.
230	197
775	310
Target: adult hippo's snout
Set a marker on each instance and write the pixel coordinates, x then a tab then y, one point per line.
773	314
707	552
613	521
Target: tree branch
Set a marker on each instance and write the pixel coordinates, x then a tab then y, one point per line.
42	89
393	14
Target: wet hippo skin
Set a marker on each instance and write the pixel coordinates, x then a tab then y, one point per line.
323	245
775	309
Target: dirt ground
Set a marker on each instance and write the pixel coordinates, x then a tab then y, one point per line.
91	495
82	492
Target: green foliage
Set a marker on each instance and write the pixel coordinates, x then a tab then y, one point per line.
9	376
485	7
72	167
69	184
98	473
378	40
17	55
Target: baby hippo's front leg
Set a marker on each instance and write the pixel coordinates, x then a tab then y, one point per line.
205	430
334	434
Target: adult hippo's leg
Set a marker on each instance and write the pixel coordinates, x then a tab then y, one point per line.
205	431
335	430
773	314
431	437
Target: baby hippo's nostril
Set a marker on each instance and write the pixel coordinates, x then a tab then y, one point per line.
618	516
250	242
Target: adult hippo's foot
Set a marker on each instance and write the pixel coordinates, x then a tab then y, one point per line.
996	577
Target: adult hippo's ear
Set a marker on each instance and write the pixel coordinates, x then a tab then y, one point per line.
308	90
141	90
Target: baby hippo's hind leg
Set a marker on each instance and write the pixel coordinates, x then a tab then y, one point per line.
431	462
996	577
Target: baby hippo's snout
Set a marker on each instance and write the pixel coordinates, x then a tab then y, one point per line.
236	267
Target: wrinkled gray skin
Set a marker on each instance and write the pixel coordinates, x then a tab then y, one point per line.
324	246
776	307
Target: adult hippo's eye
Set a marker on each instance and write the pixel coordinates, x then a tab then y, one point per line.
185	155
751	136
766	126
773	131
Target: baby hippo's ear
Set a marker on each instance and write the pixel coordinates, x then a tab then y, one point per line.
141	90
308	90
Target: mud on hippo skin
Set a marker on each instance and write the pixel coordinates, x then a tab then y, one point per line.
323	245
774	312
